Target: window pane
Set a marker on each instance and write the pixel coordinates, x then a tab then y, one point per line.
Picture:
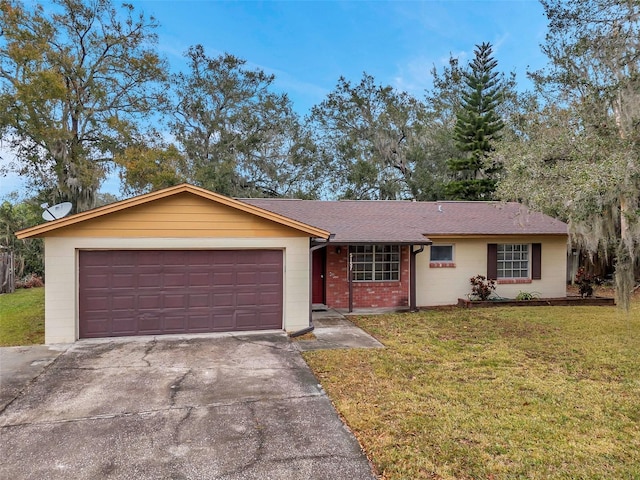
441	253
513	261
375	263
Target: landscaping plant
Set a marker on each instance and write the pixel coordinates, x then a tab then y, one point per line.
527	296
481	287
585	282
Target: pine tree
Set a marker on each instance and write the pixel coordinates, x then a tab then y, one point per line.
477	128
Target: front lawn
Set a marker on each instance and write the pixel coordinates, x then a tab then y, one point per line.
22	317
525	392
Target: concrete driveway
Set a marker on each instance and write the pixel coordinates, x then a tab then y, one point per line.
213	407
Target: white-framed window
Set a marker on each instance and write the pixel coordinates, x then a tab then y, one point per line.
513	260
441	253
375	263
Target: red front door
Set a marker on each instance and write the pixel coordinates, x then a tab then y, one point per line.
317	276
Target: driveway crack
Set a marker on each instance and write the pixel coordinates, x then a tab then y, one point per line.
147	350
176	386
180	424
259	428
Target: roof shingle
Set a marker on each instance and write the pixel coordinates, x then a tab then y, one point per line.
393	221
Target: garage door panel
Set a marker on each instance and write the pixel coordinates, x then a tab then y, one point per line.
177	324
198	300
246	320
196	257
143	258
223	321
175	301
269	298
124	280
175	258
247	299
148	279
96	280
247	278
123	302
120	326
149	324
269	278
97	326
125	260
155	292
149	302
98	303
199	323
270	319
200	279
223	299
178	279
221	277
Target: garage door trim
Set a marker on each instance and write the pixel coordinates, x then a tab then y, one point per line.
125	292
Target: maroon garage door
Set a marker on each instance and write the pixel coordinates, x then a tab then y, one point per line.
129	292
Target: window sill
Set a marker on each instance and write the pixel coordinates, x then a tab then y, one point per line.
442	265
513	281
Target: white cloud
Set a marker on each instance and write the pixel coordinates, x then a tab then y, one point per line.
500	40
414	76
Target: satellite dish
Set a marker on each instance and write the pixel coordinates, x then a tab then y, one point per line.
56	211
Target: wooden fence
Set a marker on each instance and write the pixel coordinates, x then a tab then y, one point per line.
7	273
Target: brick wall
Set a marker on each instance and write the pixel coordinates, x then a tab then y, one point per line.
365	294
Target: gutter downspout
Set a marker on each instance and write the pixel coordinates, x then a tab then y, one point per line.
412	280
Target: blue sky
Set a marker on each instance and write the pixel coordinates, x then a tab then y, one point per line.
308	45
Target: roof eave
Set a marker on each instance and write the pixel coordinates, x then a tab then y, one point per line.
423	241
500	234
42	229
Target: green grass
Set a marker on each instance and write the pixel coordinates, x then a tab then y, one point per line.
22	317
502	393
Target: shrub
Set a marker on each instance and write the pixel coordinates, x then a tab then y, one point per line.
527	296
481	287
30	281
585	282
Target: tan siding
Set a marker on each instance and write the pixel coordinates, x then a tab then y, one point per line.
443	286
179	216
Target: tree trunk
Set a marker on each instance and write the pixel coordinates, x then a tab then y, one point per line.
625	260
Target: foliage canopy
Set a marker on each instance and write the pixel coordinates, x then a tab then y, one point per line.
74	85
578	157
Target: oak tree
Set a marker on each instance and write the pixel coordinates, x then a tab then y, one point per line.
76	80
578	156
366	133
237	136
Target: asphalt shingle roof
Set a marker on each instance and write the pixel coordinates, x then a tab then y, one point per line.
380	221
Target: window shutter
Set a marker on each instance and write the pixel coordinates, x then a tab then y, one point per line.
536	261
492	261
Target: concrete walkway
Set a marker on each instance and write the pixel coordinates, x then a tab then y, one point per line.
334	331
